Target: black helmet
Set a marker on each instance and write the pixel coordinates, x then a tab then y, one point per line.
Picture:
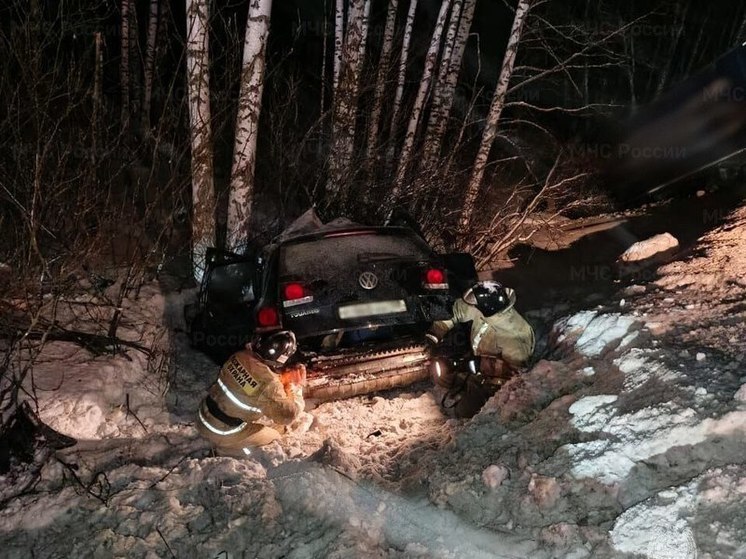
490	297
276	349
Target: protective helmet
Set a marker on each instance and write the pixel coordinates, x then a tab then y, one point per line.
276	349
490	297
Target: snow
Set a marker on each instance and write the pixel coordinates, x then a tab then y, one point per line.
494	475
619	441
640	366
602	331
740	394
647	249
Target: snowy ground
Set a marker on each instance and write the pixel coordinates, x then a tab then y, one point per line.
629	437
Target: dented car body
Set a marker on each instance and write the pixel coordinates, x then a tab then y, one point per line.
359	300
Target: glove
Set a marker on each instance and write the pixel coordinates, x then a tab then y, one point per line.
432	339
296	375
294	390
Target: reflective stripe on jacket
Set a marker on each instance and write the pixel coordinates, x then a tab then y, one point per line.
247	389
505	334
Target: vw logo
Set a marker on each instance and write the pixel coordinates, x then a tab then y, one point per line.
368	280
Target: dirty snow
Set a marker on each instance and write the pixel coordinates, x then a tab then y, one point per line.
643	250
619	441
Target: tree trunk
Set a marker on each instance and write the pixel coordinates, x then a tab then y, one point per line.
668	63
431	60
247	124
124	64
406	41
150	63
324	53
383	69
198	84
339	33
498	102
346	97
97	95
445	88
134	59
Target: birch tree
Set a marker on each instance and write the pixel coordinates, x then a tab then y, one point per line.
445	87
124	62
198	85
346	96
406	41
150	48
242	184
498	102
431	60
383	68
339	30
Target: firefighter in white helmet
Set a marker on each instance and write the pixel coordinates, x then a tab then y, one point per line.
500	339
253	383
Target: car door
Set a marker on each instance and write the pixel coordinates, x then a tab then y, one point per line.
227	299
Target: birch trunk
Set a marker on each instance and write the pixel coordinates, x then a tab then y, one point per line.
339	33
383	68
346	97
242	184
498	102
445	87
198	84
431	60
150	63
97	94
135	83
124	63
322	101
406	41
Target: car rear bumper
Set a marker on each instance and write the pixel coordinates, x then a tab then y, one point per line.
353	373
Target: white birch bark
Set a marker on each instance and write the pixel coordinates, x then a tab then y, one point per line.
346	97
406	41
124	63
135	85
383	68
97	93
198	84
431	60
339	23
498	102
322	101
445	88
242	184
150	62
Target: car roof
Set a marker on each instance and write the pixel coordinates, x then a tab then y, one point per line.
348	231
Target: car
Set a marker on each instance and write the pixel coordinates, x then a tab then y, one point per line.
359	300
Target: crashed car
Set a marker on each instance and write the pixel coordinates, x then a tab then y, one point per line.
359	300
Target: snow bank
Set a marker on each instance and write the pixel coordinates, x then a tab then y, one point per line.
663	526
95	397
654	246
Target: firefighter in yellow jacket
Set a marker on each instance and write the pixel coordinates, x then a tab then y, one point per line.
500	337
254	383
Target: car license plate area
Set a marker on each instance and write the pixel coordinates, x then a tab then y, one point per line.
375	308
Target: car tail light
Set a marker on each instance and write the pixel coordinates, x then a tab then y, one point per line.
295	294
435	278
268	316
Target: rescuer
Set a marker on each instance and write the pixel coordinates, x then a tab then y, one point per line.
500	339
255	382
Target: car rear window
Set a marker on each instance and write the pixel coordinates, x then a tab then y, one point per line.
320	258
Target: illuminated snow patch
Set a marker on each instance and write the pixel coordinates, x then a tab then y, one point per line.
602	331
625	440
657	531
594	332
638	367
